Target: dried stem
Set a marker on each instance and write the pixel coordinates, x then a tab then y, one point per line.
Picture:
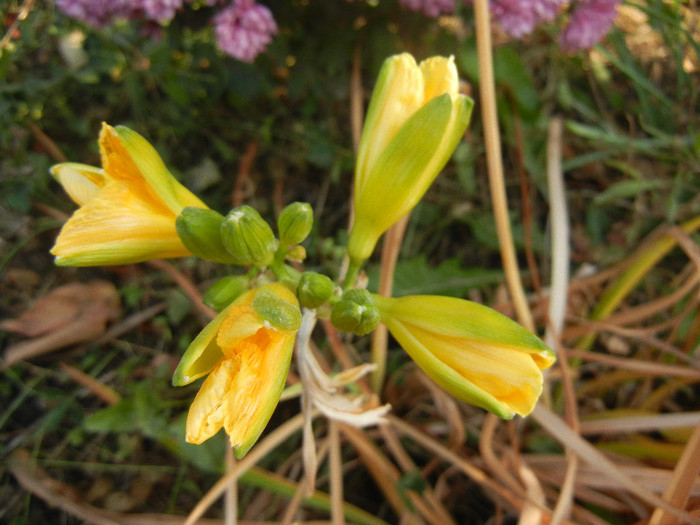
492	141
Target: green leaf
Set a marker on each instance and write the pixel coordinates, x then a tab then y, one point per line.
417	277
627	189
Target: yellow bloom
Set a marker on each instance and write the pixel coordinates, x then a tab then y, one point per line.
473	352
246	350
127	209
415	119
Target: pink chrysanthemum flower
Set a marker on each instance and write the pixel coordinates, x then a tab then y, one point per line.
520	17
97	13
244	29
430	8
589	22
160	10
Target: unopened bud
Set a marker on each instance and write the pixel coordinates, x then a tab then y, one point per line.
247	237
296	254
295	222
198	228
224	291
356	312
314	289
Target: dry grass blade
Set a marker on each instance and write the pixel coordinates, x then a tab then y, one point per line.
641	423
571	440
101	391
684	476
381	470
56	494
272	440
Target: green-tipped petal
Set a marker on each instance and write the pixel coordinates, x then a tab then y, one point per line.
202	355
150	166
446	377
475	353
406	169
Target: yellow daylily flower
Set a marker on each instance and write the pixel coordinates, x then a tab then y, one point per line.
246	350
473	352
127	208
415	120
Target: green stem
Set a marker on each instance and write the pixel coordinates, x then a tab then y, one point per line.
260	478
351	275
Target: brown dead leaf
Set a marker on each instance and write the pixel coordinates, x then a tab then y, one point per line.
74	313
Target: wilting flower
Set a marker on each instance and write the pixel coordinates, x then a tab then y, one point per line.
244	29
589	22
127	208
473	352
415	119
246	350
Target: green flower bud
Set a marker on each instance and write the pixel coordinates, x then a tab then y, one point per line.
224	291
247	237
296	254
295	222
198	229
356	312
314	289
275	310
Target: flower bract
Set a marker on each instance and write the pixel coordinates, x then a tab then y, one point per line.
473	352
127	208
246	351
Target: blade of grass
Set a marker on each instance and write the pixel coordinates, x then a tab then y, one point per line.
586	451
637	266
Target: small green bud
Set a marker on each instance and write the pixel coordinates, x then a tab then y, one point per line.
296	254
314	289
224	291
247	237
356	312
295	222
198	228
275	310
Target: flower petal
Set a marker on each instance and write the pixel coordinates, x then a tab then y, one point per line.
117	227
81	182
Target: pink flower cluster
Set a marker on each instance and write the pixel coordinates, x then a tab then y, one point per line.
589	20
243	29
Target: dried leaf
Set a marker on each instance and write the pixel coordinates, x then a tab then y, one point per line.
74	313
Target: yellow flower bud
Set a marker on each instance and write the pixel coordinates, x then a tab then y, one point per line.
415	119
246	351
127	209
473	352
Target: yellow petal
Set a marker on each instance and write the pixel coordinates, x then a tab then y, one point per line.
127	156
81	182
440	76
397	95
207	412
512	377
263	362
117	227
